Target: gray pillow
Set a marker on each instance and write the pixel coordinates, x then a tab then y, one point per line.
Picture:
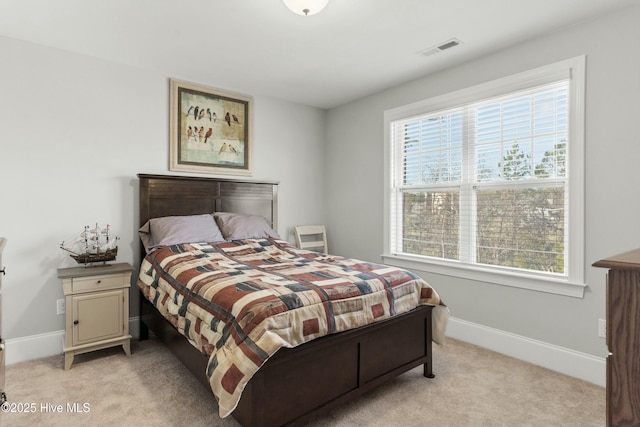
172	230
238	226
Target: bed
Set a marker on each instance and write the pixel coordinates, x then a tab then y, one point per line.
341	364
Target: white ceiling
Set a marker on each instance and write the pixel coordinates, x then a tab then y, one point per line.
351	49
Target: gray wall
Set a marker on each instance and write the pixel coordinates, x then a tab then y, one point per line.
354	175
75	131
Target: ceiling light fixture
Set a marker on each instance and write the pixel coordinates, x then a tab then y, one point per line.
306	7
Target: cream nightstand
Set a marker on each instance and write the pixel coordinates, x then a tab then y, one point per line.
97	307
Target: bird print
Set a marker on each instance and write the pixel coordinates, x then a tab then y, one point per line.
223	148
227	118
233	150
195	113
190	108
215	116
235	119
189	133
209	113
201	115
201	133
207	135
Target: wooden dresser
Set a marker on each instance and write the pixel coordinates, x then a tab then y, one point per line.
3	396
623	338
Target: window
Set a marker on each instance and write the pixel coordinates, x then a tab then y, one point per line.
488	181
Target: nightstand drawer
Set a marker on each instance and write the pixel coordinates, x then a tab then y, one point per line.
98	283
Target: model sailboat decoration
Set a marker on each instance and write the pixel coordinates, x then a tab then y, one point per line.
92	245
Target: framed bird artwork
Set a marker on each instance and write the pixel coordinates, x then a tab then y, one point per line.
210	130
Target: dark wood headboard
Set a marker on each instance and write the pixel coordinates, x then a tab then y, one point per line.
165	195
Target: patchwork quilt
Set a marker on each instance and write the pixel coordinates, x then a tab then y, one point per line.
241	301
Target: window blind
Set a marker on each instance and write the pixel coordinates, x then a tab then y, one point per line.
485	182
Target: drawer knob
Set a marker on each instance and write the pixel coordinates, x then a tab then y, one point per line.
99	281
3	271
75	322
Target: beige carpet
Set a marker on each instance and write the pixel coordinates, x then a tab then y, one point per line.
473	387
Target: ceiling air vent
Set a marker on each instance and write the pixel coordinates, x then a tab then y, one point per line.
439	48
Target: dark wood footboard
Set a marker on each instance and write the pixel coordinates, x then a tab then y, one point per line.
340	367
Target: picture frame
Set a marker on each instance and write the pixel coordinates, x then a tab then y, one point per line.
210	130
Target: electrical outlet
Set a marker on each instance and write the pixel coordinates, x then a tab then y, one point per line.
60	306
602	328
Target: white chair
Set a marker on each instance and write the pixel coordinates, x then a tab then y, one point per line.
311	237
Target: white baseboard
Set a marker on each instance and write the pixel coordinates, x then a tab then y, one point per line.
134	327
49	344
33	347
560	359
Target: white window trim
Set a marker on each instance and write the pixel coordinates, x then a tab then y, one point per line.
574	284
